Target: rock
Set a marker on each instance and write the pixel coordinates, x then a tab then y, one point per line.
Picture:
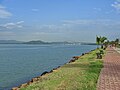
34	79
29	83
51	71
44	73
38	78
23	85
76	57
15	88
54	68
87	53
58	67
73	60
83	54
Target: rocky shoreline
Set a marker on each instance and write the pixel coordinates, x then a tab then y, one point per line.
39	78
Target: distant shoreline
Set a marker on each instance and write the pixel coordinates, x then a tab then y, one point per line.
47	44
39	42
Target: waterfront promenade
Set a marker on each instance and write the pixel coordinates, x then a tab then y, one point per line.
109	78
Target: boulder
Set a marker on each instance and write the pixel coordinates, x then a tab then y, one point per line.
73	60
23	85
83	54
44	73
76	57
34	79
30	82
51	71
15	88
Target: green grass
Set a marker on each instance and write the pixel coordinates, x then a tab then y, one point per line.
79	75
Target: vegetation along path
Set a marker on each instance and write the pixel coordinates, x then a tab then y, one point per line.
110	75
79	75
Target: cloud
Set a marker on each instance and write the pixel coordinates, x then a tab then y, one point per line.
50	26
85	22
97	9
20	22
118	0
78	22
1	7
7	34
12	25
116	5
45	33
4	13
69	26
35	10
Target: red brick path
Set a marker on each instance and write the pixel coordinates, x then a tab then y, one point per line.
110	74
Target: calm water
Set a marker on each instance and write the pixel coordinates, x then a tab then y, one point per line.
19	63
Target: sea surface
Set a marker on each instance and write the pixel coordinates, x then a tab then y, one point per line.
19	63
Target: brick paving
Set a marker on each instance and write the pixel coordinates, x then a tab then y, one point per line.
109	78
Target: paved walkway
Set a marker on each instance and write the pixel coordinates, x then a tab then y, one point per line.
110	75
118	49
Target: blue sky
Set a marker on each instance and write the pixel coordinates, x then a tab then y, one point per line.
59	20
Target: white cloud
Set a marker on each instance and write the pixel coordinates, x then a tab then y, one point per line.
12	25
97	9
118	0
78	21
76	25
51	26
1	7
35	10
7	34
45	33
85	22
4	13
116	5
20	22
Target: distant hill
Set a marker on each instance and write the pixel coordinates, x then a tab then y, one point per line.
42	42
10	42
65	42
36	42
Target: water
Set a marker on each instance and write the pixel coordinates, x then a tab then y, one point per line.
19	63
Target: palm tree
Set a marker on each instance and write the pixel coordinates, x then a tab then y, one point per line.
102	40
97	41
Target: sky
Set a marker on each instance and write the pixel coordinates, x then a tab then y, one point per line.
59	20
